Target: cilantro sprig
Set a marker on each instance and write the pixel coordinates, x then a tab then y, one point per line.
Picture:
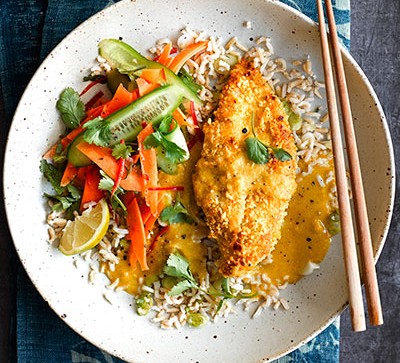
65	201
122	151
66	198
176	213
71	108
174	153
97	131
177	266
260	153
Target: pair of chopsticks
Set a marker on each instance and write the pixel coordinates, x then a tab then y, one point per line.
360	208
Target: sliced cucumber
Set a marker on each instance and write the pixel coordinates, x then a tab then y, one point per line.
126	123
76	157
127	60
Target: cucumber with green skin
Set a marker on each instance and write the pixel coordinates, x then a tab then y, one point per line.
76	157
126	123
127	60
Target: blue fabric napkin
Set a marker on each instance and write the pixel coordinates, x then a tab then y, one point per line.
29	30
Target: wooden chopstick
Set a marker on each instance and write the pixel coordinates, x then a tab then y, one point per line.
360	207
347	229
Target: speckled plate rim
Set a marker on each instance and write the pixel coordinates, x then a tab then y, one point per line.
377	104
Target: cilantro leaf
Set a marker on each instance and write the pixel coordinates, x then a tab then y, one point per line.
97	132
63	202
122	151
180	287
173	152
71	108
166	140
281	154
152	141
257	151
178	266
176	213
106	183
66	198
53	175
165	124
74	192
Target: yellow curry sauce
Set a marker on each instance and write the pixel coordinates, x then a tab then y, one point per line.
304	235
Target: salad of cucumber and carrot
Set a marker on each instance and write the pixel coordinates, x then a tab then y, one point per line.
114	149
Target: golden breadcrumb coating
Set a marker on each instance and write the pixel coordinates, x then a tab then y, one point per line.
245	203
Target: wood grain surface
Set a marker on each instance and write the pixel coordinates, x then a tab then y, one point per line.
375	45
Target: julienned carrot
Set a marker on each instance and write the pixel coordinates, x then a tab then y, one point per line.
153	75
187	53
91	191
122	97
96	111
180	118
104	159
70	173
148	161
50	153
137	236
145	87
164	56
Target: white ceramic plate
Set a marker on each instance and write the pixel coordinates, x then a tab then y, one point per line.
314	302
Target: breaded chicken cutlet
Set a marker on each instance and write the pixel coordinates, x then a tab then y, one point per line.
245	203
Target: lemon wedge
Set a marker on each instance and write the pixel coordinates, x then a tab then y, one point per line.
86	231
